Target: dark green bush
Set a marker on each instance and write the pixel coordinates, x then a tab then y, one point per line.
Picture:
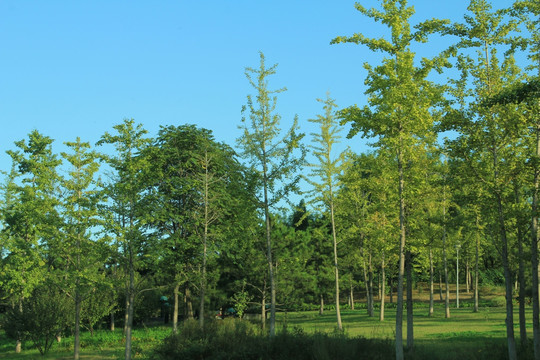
40	317
236	339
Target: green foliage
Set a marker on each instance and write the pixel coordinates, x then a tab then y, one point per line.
236	339
241	300
44	316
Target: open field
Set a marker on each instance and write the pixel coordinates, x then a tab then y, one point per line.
465	331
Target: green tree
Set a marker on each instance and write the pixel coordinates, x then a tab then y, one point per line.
327	170
30	218
126	205
82	257
400	111
272	156
528	93
488	133
46	314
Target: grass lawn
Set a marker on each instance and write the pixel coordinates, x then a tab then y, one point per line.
465	331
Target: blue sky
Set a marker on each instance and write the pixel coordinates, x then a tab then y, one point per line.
76	68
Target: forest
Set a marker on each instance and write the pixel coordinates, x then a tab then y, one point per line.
176	225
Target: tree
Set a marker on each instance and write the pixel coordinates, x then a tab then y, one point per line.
327	168
79	255
30	218
45	315
488	133
400	111
126	205
272	156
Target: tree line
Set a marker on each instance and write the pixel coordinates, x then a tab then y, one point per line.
109	229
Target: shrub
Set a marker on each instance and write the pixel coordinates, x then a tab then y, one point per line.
237	339
44	315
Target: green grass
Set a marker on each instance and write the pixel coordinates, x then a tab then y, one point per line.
103	345
466	331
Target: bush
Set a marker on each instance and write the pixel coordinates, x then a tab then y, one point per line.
237	339
44	315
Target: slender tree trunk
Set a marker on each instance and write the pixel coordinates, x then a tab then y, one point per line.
379	286
366	283
410	329
401	271
321	307
371	311
476	264
446	283
205	240
467	277
534	250
188	302
351	293
126	311
131	300
18	344
112	321
382	287
430	282
272	332
512	355
175	311
336	269
77	340
521	279
440	287
263	311
391	295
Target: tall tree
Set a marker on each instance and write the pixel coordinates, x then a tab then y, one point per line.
328	168
271	155
30	217
487	133
399	114
78	251
126	205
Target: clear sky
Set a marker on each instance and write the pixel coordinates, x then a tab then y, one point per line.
76	68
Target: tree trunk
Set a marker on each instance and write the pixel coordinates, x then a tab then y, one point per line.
534	251
391	299
401	271
521	279
270	271
512	355
205	239
351	293
382	287
467	277
112	320
440	287
188	302
430	282
371	311
321	307
410	329
476	269
269	260
130	305
77	340
336	269
18	344
263	312
446	283
203	283
379	286
366	284
175	311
